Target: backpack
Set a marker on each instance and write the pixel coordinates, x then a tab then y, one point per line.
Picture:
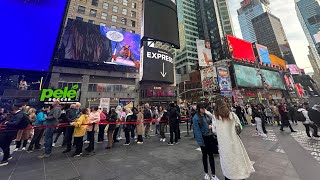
300	117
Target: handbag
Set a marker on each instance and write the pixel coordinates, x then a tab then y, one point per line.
237	126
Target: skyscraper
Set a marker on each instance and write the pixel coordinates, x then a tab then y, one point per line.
225	18
186	57
249	10
269	32
124	14
308	12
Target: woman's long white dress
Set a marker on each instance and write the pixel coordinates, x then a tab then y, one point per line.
235	162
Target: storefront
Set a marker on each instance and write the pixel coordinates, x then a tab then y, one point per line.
158	94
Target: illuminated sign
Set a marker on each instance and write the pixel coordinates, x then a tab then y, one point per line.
65	95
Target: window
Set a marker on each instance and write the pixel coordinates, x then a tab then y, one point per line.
124	11
132	31
79	18
81	9
133	14
91	21
102	24
123	29
114	27
94	2
116	1
115	8
93	13
134	5
104	15
105	5
124	21
114	18
125	2
133	23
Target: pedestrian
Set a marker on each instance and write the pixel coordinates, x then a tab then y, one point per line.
140	127
173	124
163	118
18	121
71	115
269	115
94	119
119	119
63	121
24	135
307	121
234	160
277	115
129	120
133	126
51	123
102	126
80	130
257	114
156	116
113	117
314	114
178	120
202	128
292	114
284	118
39	128
147	114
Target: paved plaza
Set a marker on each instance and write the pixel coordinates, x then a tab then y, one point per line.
281	156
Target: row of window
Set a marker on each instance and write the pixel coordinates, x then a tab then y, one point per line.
105	4
111	88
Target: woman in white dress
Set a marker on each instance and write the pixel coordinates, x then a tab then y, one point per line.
235	162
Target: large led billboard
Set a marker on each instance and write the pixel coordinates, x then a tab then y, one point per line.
29	32
240	49
89	43
262	52
248	77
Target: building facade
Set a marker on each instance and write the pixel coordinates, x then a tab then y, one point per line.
308	12
249	10
225	17
269	32
117	14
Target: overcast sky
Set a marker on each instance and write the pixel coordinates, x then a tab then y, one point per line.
285	10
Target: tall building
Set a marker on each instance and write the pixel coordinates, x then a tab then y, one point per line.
249	10
269	32
225	17
308	12
117	14
186	57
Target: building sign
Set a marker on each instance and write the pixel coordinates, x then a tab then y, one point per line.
105	103
65	95
224	80
157	65
204	53
209	79
165	91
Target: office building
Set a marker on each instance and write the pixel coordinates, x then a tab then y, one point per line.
308	12
117	14
225	17
249	10
269	32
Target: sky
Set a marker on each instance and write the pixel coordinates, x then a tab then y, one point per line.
285	10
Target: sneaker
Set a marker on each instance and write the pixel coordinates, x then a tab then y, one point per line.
170	144
16	149
176	143
4	163
86	142
99	142
23	149
214	178
76	155
10	157
29	151
164	140
44	156
206	177
161	140
139	142
126	144
263	135
53	144
316	136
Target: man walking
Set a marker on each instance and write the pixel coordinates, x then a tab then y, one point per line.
51	122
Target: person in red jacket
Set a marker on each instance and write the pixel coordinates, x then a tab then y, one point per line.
102	126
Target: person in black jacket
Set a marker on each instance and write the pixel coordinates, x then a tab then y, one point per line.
173	123
127	127
61	130
9	131
147	114
71	115
112	118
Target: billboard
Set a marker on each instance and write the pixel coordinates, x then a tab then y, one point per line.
240	49
293	68
275	60
209	79
160	21
86	42
204	53
262	52
248	77
29	33
224	80
157	65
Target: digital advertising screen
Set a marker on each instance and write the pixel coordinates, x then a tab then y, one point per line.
29	32
263	53
86	42
240	49
204	52
209	79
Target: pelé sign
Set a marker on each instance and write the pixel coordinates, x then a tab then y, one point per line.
65	95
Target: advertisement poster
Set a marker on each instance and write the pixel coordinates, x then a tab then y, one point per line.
90	43
224	80
126	101
105	103
293	68
289	82
237	97
209	79
263	53
240	49
204	53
